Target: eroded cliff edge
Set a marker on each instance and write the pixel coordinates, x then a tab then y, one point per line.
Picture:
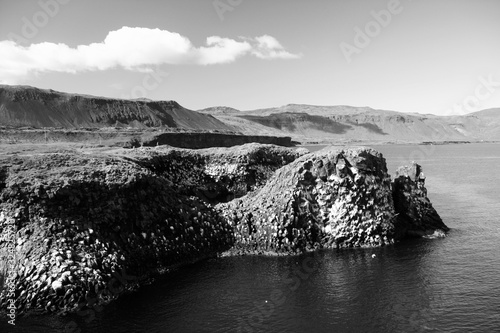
82	219
333	198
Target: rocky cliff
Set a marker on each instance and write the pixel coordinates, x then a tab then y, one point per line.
207	140
83	219
216	174
90	225
133	138
330	199
28	106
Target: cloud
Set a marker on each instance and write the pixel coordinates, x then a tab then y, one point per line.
134	49
221	50
268	47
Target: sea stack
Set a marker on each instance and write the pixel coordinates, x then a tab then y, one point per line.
416	215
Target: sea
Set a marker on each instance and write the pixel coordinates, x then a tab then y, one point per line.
449	284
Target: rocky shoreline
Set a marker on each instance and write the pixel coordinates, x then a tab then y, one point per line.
85	221
334	198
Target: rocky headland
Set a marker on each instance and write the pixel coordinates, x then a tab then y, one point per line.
334	198
91	225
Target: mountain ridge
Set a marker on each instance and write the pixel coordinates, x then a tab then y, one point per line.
29	106
322	123
26	106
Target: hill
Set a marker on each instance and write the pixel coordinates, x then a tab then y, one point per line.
310	123
22	106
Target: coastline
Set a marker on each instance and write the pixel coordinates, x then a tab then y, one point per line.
118	218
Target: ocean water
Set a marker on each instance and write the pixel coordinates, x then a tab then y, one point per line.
429	285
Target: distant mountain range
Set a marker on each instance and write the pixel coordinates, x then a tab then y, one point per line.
346	123
24	106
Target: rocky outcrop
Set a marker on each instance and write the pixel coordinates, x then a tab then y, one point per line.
80	220
83	220
216	174
328	199
416	215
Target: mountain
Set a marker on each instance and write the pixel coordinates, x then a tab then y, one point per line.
24	106
28	106
310	123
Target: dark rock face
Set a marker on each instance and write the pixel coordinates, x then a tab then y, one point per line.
328	199
81	220
216	175
207	140
416	215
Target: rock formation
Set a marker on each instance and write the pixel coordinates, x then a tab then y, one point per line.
416	215
83	220
216	174
328	199
80	220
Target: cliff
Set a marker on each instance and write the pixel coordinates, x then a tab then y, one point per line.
82	219
330	199
90	225
206	140
28	106
133	138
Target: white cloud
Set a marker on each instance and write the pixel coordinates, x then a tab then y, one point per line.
134	49
268	47
221	50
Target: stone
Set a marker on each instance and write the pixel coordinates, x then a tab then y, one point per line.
57	285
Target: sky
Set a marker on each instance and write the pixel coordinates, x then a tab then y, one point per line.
428	56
